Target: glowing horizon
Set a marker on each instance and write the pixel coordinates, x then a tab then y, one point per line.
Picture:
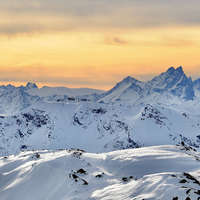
96	44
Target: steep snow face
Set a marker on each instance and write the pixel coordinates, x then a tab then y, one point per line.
160	173
18	132
129	88
173	81
97	127
197	84
13	99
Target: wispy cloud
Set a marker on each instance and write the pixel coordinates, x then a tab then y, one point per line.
115	40
65	15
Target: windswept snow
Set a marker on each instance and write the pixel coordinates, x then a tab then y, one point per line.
42	132
144	173
97	127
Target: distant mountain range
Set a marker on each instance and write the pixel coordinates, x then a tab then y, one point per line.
172	82
164	110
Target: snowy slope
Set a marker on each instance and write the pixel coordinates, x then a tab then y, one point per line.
97	127
159	173
15	99
173	82
54	126
42	132
197	84
128	88
132	114
49	91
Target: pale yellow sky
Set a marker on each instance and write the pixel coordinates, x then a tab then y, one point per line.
77	48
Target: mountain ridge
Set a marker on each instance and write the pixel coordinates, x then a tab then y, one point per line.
157	172
173	81
132	114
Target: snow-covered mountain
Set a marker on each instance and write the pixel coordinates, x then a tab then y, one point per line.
13	99
98	127
156	173
128	88
45	91
50	130
132	114
173	82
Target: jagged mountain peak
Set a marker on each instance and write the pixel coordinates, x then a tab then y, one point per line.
173	81
180	69
125	89
129	79
125	83
171	70
169	78
31	85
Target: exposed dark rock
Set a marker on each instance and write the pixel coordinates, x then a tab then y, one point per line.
81	171
183	181
190	177
71	99
84	182
99	111
152	113
23	147
189	142
74	176
21	135
197	192
188	191
76	120
99	175
125	179
36	156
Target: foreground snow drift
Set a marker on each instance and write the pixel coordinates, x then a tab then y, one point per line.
162	172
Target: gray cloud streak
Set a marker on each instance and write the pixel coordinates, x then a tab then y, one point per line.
96	14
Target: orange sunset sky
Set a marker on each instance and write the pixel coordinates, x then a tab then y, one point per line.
96	43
